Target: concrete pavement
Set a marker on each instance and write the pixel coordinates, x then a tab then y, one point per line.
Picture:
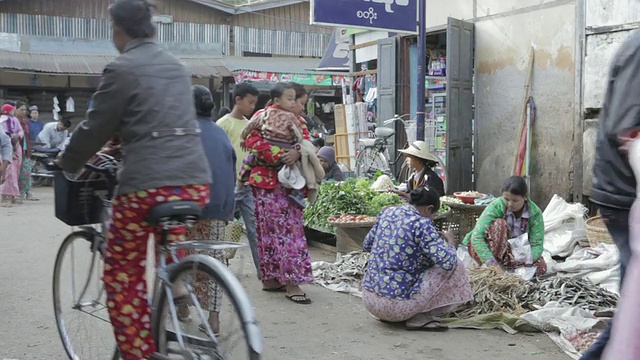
335	326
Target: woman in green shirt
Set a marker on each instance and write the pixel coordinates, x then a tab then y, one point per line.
508	217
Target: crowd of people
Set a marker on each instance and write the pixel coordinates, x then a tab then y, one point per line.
23	132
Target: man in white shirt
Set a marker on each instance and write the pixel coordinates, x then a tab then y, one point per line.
54	134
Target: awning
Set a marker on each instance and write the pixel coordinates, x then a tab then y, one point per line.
202	67
275	65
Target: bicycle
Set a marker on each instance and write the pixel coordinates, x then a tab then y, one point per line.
374	157
92	205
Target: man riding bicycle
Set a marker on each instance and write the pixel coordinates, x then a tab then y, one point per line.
144	97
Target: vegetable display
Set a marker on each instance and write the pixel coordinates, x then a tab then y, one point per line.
350	219
353	196
352	201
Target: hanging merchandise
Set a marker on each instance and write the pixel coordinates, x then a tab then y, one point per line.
372	94
71	105
56	109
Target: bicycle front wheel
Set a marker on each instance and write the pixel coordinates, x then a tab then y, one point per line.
214	292
79	300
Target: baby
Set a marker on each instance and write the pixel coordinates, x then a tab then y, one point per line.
281	127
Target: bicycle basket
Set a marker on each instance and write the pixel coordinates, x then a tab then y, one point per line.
76	202
233	233
411	130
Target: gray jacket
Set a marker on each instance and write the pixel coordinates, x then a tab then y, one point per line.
614	184
144	97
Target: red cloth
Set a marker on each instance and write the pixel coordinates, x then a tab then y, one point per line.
124	264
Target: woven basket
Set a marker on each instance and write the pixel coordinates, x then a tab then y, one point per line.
233	233
597	232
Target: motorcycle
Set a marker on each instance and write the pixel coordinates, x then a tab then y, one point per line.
40	157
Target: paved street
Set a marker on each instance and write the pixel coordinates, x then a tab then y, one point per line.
335	326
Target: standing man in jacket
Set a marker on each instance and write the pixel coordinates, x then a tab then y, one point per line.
614	185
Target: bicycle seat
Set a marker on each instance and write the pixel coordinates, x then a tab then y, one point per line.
179	211
384	132
368	142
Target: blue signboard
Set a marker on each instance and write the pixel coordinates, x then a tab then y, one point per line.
394	15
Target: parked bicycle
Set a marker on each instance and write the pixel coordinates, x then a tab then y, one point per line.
374	157
80	307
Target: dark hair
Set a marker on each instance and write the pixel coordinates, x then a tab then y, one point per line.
278	90
319	142
425	196
10	102
20	104
243	90
300	90
133	17
516	185
203	100
66	123
223	111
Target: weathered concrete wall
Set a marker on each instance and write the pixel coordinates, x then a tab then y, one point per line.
502	52
438	11
601	46
600	49
612	12
588	155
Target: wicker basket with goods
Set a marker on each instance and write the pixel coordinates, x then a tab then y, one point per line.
462	218
597	232
233	233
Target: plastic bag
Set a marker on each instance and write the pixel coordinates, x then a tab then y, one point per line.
463	255
521	249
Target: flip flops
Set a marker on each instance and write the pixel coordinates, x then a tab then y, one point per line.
203	328
277	289
299	299
434	325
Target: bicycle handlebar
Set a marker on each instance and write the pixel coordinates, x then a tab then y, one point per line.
108	171
395	118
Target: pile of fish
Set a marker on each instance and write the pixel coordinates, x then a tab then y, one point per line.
498	291
495	291
573	292
345	274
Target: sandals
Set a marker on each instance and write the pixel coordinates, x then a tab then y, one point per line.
434	325
282	288
299	299
203	328
182	309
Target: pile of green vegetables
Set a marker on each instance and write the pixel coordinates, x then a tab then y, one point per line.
353	196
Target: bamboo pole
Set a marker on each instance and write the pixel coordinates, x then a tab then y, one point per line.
523	112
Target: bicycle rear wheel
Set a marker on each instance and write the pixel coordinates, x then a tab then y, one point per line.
238	335
79	300
369	161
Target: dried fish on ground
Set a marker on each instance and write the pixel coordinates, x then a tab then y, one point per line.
499	291
573	292
495	291
348	269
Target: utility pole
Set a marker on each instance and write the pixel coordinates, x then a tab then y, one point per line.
422	43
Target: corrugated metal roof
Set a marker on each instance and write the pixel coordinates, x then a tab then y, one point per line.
94	64
241	9
271	64
200	66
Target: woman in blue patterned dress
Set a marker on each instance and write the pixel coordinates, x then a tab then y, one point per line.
413	274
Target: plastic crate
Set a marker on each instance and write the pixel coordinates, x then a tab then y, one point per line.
76	202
